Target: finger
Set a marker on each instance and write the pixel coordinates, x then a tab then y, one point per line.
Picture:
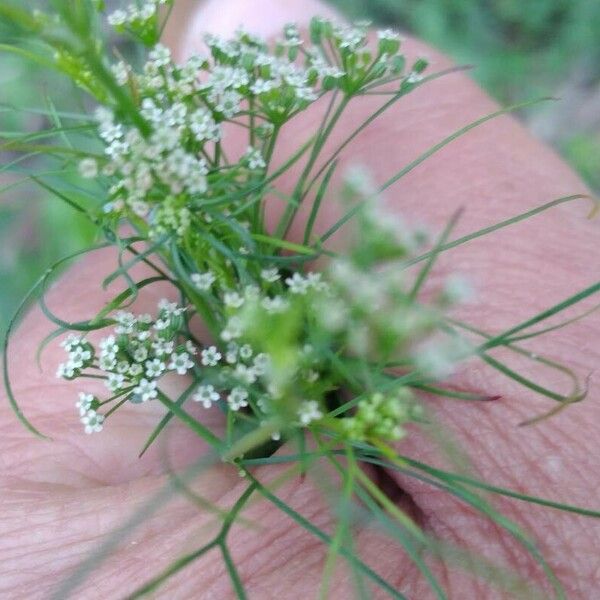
191	19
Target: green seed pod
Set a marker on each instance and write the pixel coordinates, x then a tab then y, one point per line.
420	65
397	64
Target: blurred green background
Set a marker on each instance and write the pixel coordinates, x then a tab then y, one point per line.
521	50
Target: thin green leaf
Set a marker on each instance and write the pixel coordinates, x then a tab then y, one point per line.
192	423
423	157
33	292
314	211
426	270
165	420
502	224
171	570
283	244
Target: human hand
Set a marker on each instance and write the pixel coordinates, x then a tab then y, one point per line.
60	499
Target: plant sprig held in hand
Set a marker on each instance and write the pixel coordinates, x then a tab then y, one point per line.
336	356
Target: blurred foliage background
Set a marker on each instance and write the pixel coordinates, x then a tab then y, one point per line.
521	50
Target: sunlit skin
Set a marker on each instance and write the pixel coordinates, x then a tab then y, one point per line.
60	499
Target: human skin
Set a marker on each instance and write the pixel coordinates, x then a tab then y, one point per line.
60	499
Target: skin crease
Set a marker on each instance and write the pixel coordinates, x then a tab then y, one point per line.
59	499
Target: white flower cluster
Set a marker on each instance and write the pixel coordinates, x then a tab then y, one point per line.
80	356
162	172
142	349
239	375
92	421
135	15
131	360
141	165
272	303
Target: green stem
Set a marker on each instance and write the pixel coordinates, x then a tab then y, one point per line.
299	193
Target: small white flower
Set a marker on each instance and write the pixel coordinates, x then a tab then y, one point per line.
162	324
233	299
71	341
92	421
457	290
309	411
244	374
351	38
189	346
388	35
111	132
203	281
135	369
140	208
146	390
121	73
115	382
314	280
262	86
228	104
311	376
255	159
238	398
88	168
196	183
140	354
162	347
297	284
108	362
436	360
126	321
203	126
160	55
233	329
84	403
252	292
261	363
150	111
154	368
207	395
122	367
246	351
65	370
79	357
210	357
306	93
270	275
148	10
170	308
414	77
176	115
142	336
166	138
278	304
108	346
118	17
181	363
